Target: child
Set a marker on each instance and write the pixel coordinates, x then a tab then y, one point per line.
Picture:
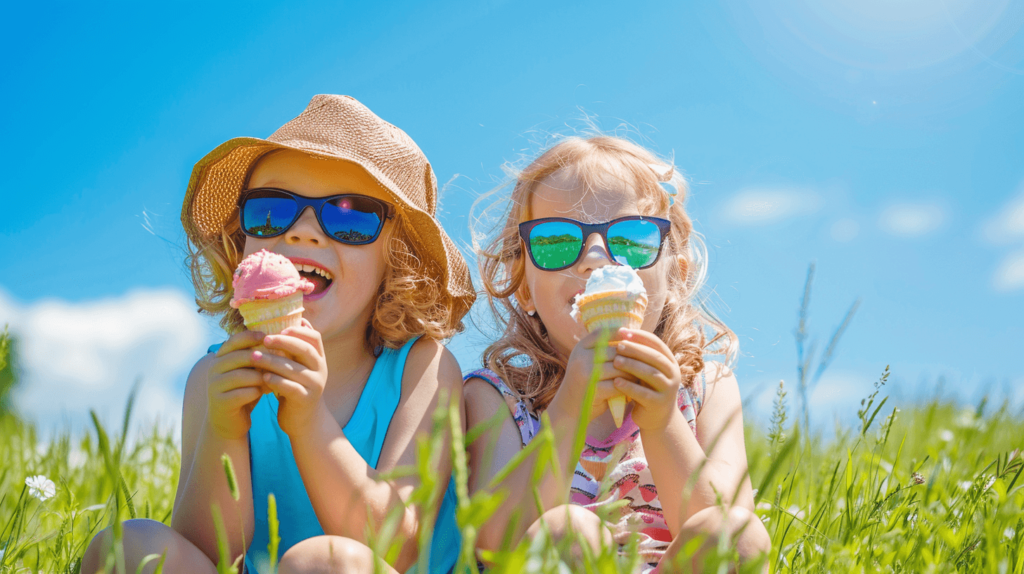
339	400
686	422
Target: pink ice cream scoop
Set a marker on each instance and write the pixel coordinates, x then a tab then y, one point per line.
268	292
265	275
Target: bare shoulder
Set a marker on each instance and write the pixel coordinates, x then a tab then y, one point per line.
482	400
721	383
431	366
196	386
193	409
721	417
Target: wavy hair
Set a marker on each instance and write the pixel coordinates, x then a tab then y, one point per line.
410	301
523	354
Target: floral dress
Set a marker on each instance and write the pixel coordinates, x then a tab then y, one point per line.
629	477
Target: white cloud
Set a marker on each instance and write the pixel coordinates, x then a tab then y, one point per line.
912	219
80	356
1007	225
1010	274
760	206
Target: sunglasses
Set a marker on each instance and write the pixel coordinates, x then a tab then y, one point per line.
349	218
556	243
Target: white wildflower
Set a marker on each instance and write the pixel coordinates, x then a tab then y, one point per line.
1009	533
966	485
989	482
764	506
41	487
766	518
967	419
795	511
946	435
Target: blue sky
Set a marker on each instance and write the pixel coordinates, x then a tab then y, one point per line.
884	141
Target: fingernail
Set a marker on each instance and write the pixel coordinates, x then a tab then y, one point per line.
620	347
256	355
266	377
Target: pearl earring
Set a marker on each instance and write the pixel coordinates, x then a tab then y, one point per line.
531	313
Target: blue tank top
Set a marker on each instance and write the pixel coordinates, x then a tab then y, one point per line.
273	469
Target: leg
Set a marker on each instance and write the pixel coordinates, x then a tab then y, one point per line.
564	520
331	554
743	528
144	537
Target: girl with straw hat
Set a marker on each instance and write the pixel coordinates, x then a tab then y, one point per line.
320	413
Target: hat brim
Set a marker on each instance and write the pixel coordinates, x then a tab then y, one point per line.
219	177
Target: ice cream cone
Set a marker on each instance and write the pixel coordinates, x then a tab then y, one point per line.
601	308
268	292
271	316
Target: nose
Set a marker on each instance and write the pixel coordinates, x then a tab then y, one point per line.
306	230
595	255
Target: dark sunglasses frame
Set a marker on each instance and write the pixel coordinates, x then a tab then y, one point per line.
317	203
588	229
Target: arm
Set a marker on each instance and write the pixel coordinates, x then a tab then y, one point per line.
346	493
489	454
519	510
219	395
675	456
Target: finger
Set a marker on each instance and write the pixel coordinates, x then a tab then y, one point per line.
646	338
649	375
298	347
646	397
236	379
607	371
238	398
241	340
238	359
605	390
283	387
282	366
590	341
649	355
307	333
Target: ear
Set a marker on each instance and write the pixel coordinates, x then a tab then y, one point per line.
525	300
684	266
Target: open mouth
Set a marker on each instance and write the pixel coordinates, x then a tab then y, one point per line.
318	276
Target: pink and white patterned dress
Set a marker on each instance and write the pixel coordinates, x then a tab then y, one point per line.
629	475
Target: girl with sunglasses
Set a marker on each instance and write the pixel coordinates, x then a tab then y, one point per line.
317	415
582	205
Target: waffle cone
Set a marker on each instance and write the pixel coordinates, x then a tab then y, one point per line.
612	310
271	316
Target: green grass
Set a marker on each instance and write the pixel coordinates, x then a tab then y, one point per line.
935	487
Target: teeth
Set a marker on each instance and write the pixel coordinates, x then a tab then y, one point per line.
314	269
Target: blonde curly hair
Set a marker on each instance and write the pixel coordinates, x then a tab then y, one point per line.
523	354
410	301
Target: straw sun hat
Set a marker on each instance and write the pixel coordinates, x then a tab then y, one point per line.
334	127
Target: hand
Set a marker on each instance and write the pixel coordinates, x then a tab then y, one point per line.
297	376
577	376
234	386
657	378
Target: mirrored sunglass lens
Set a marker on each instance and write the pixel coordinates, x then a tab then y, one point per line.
555	244
352	220
634	242
267	215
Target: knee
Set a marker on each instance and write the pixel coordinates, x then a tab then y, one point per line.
570	518
752	539
141	537
324	554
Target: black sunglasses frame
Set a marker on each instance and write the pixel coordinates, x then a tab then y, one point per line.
317	203
588	229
